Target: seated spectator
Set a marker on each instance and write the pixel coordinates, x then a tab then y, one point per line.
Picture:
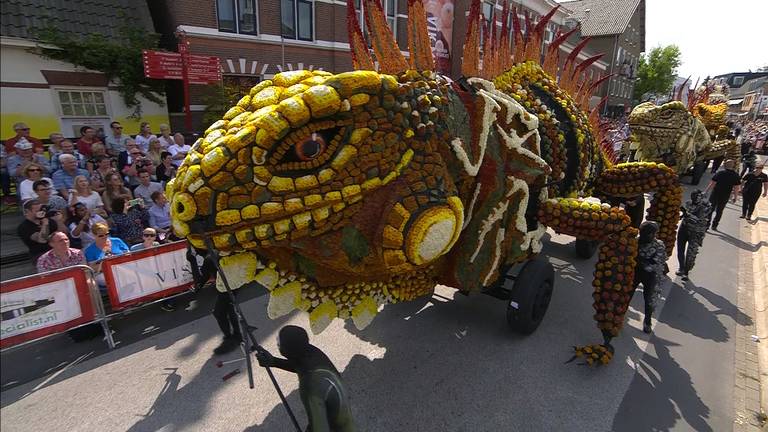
129	220
146	188
155	151
98	151
165	138
46	197
99	174
160	213
143	137
135	163
114	189
87	139
102	247
22	132
64	179
116	141
67	148
37	227
54	150
166	170
80	225
24	156
149	240
179	149
60	256
82	193
33	172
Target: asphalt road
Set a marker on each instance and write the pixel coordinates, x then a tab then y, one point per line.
449	364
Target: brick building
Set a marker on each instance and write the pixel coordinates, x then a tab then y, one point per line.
53	96
256	39
616	28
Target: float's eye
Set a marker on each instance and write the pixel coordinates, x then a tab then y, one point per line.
310	147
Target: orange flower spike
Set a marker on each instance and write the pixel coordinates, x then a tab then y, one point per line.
361	58
391	60
418	37
471	64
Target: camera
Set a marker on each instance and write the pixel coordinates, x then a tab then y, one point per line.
46	212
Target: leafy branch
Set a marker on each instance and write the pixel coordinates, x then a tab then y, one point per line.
119	58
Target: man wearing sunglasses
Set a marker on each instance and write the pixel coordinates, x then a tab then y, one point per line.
22	131
115	141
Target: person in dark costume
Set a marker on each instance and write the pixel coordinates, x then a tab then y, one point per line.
203	267
752	182
322	391
651	263
690	234
722	185
634	207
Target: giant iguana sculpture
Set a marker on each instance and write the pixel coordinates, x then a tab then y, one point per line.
341	193
680	135
668	133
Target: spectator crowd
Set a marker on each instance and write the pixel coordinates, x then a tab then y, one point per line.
96	197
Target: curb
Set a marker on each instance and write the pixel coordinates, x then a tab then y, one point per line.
760	266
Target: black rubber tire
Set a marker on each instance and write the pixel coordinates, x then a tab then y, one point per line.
586	249
530	296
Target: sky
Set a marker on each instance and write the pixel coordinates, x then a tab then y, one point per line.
714	36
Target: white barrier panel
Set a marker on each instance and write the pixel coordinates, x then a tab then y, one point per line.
43	304
147	274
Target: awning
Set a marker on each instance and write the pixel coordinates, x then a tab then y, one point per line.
735	101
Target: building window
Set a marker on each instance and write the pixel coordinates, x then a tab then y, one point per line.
82	103
738	81
296	17
240	84
237	16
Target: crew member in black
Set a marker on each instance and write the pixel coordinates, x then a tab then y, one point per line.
634	207
690	234
651	264
722	185
752	183
203	268
322	392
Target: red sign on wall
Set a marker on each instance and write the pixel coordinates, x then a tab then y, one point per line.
168	65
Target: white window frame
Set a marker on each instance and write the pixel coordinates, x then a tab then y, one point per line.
296	20
738	81
60	109
236	4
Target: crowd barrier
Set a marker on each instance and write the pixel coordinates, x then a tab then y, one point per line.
44	304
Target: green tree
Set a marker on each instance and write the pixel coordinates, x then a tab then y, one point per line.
118	58
656	71
218	99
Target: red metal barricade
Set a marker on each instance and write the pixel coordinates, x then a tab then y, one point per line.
146	275
40	305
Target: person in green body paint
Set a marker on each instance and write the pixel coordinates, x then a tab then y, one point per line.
322	391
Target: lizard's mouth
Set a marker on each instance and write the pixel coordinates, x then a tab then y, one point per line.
291	290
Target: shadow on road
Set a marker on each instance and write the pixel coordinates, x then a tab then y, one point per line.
55	357
738	242
692	316
661	388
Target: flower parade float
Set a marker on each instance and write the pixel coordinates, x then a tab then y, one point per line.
341	193
684	137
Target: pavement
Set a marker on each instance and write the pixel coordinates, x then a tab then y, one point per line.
446	363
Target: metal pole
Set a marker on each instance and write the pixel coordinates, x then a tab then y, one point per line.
249	343
184	51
